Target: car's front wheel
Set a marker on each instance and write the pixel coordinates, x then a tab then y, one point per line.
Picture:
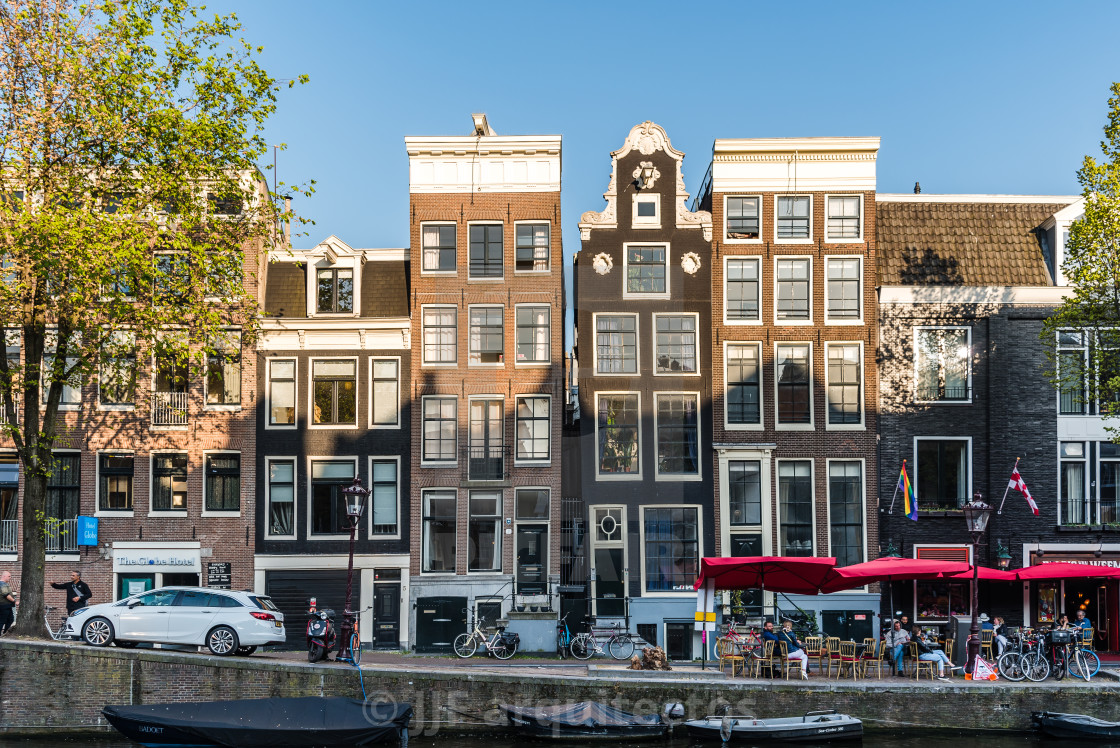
222	641
97	632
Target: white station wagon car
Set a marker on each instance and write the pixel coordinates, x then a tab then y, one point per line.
225	621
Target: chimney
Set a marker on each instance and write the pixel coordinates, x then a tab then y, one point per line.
481	126
917	188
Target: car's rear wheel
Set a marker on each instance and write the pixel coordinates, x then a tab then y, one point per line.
222	641
245	651
97	632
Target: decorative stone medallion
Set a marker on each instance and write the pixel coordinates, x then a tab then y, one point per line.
602	263
690	263
638	174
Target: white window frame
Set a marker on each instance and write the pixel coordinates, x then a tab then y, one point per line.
97	510
778	501
533	461
642	541
761	425
451	273
439	463
471	399
532	364
862	425
503	514
268	425
675	477
627	294
439	364
695	331
914	364
500	364
1090	477
121	407
830	240
778	322
309	461
397	424
828	320
968	460
311	395
646	222
779	196
812	424
424	532
529	222
294	459
593	544
863	496
152	511
241	464
637	476
153	361
223	407
746	453
343	263
761	310
546	522
761	216
51	344
369	519
488	279
637	343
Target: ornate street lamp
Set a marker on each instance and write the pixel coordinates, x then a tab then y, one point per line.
356	497
1003	556
976	515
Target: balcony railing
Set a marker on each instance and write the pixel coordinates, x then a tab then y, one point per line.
62	535
944	394
487	463
169	408
9	529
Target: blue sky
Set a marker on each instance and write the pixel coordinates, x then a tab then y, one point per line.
967	97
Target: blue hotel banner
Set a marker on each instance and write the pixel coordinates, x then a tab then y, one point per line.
87	531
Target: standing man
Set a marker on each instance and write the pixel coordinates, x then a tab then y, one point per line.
77	592
7	602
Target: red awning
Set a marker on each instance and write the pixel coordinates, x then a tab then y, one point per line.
792	574
890	569
1066	570
985	574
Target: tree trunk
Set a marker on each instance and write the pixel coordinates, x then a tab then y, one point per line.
31	620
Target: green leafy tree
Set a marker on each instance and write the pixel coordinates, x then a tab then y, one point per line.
1083	334
130	201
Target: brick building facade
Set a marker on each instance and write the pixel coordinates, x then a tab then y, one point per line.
487	315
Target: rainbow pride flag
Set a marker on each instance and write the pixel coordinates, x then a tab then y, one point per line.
909	498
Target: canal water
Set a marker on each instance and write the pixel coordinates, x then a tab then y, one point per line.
875	739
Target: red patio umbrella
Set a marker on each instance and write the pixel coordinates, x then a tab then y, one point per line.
803	575
1066	570
889	569
986	574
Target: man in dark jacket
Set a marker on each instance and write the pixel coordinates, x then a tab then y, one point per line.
7	602
77	592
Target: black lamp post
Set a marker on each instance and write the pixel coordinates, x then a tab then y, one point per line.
355	504
976	514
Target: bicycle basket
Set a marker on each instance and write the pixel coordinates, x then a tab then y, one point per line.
1063	637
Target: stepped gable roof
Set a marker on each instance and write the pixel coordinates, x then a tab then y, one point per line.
963	240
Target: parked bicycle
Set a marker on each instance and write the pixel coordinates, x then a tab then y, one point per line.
1053	653
619	644
563	637
500	644
55	634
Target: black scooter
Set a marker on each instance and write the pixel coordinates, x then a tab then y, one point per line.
321	634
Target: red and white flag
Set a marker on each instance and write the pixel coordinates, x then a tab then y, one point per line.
1017	483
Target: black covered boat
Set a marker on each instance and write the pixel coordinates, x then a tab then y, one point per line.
1058	725
247	723
584	720
813	727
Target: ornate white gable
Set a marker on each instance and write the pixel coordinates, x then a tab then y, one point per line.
646	138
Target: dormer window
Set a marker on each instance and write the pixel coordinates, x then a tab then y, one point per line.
335	291
646	213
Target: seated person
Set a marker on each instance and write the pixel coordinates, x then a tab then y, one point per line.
928	654
1000	637
986	623
1082	622
793	647
895	641
1062	624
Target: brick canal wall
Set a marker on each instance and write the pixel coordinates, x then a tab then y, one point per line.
54	688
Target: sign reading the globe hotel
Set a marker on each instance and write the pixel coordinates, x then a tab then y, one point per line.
156	559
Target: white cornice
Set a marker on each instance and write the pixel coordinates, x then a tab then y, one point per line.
794	165
484	145
296	334
806	146
906	197
974	295
390	254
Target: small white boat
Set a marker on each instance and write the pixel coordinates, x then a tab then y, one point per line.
812	727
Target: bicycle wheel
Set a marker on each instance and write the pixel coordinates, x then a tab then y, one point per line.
504	650
621	646
355	649
1061	658
465	645
562	646
1035	667
583	646
1079	666
1094	662
1011	666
